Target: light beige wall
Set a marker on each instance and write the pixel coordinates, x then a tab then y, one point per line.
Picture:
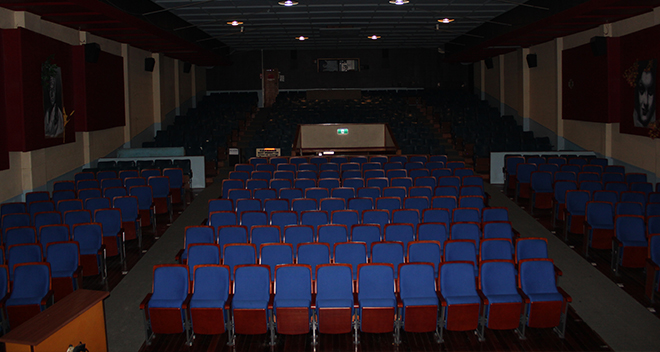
588	135
167	91
140	88
513	81
493	79
543	86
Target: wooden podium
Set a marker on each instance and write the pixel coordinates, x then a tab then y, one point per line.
78	317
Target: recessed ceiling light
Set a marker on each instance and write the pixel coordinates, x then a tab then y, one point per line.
374	37
235	23
301	38
446	20
288	3
399	2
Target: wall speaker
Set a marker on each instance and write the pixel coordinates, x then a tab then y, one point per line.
149	64
186	67
599	46
92	51
489	63
531	60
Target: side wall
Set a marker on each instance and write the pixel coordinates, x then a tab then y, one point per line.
541	110
146	110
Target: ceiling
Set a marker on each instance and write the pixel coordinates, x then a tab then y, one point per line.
196	31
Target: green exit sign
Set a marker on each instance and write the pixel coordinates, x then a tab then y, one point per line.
342	131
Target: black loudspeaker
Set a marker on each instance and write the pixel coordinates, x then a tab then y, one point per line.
531	60
599	46
294	54
186	67
386	53
149	64
489	63
92	51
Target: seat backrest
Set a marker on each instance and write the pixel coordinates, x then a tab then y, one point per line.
498	277
353	253
92	204
47	218
332	204
251	282
23	253
496	248
144	195
313	254
303	204
293	281
31	279
128	205
334	282
537	276
410	216
460	250
416	280
89	237
19	235
64	258
629	208
273	254
400	232
296	234
576	201
375	281
497	229
531	247
457	279
74	217
170	282
332	233
388	252
426	252
211	283
232	234
265	234
53	233
234	254
630	228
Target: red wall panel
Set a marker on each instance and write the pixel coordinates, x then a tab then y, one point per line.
24	52
584	85
99	86
638	46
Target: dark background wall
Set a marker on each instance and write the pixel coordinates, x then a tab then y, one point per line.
380	68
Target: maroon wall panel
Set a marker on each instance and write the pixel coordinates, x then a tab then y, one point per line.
4	154
24	52
99	86
584	85
636	47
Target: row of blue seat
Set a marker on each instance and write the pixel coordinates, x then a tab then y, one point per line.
425	304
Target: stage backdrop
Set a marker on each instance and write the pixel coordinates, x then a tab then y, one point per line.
639	54
24	53
99	87
590	84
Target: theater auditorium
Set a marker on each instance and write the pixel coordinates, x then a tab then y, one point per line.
372	175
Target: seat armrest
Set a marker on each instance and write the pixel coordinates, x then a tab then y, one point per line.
558	271
616	242
145	302
652	265
567	297
47	300
523	295
313	302
186	302
230	298
443	301
177	257
399	302
483	297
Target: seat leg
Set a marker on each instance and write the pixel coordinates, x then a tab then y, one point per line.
441	324
523	323
356	325
482	325
397	328
561	328
272	323
148	334
231	336
187	326
315	326
615	258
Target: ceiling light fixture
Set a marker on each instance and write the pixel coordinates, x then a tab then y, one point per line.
399	2
374	37
288	3
235	23
301	38
446	20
